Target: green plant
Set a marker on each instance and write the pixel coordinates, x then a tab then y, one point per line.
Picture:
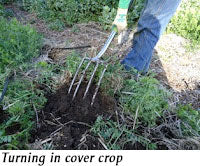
117	137
7	13
107	17
70	12
56	25
190	120
7	1
18	44
144	99
135	11
186	21
20	101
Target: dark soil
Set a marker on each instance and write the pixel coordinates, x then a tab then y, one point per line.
3	115
68	122
13	128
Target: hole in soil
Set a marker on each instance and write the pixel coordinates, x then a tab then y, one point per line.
3	115
66	122
13	128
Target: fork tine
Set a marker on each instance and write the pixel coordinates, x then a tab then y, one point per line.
82	76
90	81
77	71
98	85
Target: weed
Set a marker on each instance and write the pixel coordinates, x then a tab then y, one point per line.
190	120
57	25
70	12
146	97
107	17
18	44
21	99
118	137
186	21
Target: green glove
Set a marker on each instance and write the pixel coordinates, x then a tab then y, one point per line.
121	19
124	4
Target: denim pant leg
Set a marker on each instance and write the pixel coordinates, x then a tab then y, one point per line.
152	23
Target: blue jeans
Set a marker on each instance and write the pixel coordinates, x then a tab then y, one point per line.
152	23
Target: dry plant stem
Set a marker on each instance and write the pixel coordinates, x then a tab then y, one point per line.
46	140
36	114
101	140
81	123
53	133
56	119
136	115
10	105
51	123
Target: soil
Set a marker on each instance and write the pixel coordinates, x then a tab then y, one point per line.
13	128
3	115
68	122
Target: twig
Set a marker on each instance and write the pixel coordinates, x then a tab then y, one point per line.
46	140
51	123
56	119
56	131
101	140
136	115
117	117
82	123
128	93
36	114
10	105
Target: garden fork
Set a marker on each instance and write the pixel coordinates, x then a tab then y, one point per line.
96	60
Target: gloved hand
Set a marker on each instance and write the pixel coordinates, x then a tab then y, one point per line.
121	23
121	20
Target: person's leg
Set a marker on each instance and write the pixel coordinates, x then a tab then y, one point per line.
152	23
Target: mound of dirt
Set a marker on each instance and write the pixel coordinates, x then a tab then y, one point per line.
65	123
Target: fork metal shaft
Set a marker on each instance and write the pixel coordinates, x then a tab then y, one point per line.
82	76
98	85
90	81
77	71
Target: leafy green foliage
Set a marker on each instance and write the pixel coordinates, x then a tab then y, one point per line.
190	120
20	101
146	97
117	137
107	17
5	12
18	44
186	21
7	1
70	12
